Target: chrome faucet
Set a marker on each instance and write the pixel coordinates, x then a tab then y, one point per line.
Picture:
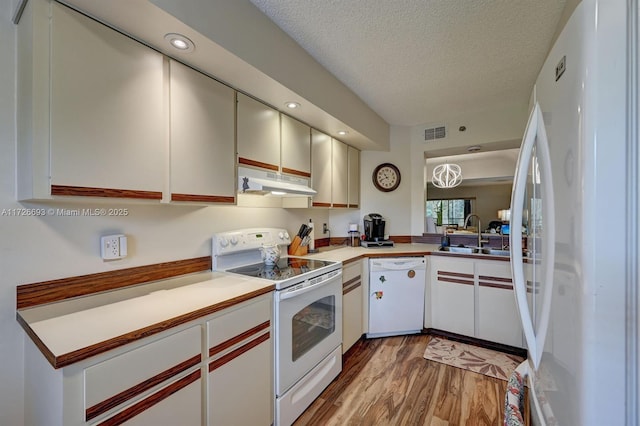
466	221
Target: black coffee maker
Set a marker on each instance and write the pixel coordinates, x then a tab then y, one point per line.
374	227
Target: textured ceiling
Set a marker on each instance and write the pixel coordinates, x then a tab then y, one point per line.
420	61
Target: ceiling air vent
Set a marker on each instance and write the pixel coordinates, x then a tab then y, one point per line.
437	132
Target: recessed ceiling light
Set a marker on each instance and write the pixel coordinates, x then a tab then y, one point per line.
342	132
180	42
292	105
474	148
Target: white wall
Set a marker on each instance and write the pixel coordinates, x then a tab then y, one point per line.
404	208
42	248
393	206
483	127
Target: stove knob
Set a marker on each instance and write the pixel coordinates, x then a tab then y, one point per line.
234	240
224	242
281	235
286	235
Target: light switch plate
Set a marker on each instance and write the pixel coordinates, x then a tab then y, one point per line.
113	246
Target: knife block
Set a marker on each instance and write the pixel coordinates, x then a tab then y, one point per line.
295	249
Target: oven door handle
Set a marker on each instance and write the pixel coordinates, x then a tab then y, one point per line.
284	295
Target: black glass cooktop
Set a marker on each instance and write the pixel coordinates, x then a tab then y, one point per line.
285	268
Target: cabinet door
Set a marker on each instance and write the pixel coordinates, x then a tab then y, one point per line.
179	403
126	377
452	295
107	112
295	146
351	304
258	132
202	137
240	366
498	319
354	178
339	174
321	168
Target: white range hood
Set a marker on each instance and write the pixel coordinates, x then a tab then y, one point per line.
252	181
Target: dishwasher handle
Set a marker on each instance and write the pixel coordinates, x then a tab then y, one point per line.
397	265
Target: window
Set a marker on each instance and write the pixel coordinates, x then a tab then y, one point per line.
449	212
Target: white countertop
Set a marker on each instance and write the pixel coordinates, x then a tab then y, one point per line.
68	327
64	330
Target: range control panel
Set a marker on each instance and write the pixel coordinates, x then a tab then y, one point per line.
230	242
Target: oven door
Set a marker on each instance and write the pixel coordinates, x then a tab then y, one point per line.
308	328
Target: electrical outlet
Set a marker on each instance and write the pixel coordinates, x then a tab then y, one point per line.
113	246
325	228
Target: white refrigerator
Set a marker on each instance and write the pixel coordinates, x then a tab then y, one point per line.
569	212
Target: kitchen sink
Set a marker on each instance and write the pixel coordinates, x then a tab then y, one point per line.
456	249
496	252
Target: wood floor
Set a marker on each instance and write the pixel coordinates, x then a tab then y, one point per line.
388	382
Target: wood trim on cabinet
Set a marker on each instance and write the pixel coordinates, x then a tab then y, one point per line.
296	172
260	164
499	279
455	277
351	285
239	351
85	191
455	274
239	338
151	400
496	285
340	205
318	204
203	198
495	282
353	206
127	394
28	295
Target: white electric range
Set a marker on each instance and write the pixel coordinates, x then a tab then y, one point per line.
307	314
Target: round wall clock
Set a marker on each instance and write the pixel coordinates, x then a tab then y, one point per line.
386	177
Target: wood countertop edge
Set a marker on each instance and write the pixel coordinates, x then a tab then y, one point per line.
66	359
414	253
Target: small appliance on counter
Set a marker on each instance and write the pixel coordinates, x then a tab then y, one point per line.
374	232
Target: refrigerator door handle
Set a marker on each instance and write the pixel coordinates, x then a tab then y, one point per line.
535	132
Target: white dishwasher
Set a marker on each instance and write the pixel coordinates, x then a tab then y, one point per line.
396	295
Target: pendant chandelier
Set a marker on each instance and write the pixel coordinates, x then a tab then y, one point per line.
446	175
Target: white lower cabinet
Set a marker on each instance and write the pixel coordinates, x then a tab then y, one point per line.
351	304
452	295
474	297
240	366
498	319
216	370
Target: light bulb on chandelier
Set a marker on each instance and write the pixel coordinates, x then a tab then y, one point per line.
446	175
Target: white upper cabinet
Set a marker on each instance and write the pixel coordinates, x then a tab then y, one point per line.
295	146
202	137
339	174
258	132
321	168
91	109
354	178
335	172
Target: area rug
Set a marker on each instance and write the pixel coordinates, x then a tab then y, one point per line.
474	358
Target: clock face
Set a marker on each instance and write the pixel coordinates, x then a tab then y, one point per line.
386	177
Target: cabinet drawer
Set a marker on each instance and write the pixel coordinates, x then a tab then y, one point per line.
351	271
496	270
126	376
238	326
179	403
